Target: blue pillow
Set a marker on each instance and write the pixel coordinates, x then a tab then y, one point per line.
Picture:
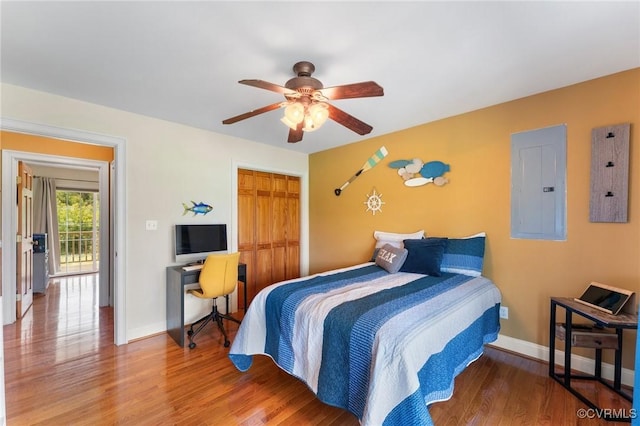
464	255
424	256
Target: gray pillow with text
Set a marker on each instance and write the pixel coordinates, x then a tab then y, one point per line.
391	258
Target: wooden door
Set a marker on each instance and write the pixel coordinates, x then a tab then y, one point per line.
268	228
24	240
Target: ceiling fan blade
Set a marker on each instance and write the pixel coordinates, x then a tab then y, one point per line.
252	113
348	121
261	84
356	90
295	135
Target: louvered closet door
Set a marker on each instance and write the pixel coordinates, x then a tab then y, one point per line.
246	228
292	262
269	227
263	239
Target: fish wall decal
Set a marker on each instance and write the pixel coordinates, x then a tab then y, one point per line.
199	208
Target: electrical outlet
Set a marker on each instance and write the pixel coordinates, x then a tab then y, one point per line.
151	225
504	312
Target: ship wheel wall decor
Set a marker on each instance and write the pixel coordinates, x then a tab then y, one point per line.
374	202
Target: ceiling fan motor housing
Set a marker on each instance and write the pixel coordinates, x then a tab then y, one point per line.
304	68
304	83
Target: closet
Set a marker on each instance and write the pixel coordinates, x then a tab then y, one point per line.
268	228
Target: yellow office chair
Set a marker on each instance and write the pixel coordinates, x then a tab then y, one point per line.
218	277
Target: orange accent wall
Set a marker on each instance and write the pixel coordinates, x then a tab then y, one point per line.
43	145
477	198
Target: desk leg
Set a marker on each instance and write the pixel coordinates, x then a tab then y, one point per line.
552	339
598	369
617	375
567	348
175	306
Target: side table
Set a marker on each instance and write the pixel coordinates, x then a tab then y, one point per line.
602	320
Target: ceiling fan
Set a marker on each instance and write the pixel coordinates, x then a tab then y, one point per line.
306	107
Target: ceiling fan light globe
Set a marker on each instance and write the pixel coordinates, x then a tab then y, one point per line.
294	112
319	113
289	123
309	125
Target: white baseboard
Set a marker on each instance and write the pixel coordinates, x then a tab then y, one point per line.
147	331
579	363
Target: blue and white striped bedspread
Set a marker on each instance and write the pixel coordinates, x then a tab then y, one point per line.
383	346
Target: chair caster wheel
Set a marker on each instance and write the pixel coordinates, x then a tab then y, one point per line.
226	343
190	333
192	345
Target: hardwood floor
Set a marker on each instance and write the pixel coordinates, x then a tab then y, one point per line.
61	367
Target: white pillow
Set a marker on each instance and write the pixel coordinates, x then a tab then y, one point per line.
395	239
479	234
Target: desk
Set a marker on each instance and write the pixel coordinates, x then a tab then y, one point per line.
618	322
177	278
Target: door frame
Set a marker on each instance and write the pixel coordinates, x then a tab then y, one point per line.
102	167
9	222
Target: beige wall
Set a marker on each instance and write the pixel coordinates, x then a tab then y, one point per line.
477	198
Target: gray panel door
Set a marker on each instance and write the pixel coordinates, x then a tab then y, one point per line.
538	184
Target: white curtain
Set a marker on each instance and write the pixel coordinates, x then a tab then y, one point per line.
45	218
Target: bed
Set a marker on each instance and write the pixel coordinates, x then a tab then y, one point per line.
382	345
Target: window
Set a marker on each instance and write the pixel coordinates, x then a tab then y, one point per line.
78	227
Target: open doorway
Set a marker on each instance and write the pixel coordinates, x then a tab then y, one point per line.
111	268
52	167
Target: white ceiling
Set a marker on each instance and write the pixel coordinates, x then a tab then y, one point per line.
180	61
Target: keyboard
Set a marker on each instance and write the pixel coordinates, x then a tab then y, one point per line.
192	267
